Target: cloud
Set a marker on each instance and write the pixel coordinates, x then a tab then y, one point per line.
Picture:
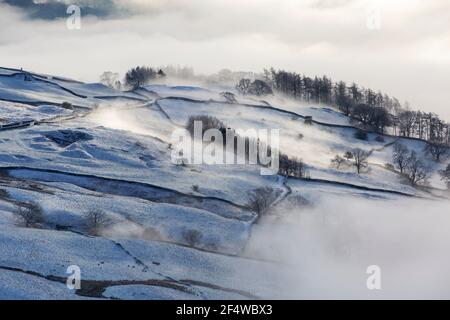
409	57
326	250
55	9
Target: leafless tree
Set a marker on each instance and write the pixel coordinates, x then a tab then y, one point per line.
416	171
373	110
401	156
257	87
360	158
243	87
338	162
261	199
406	120
95	221
260	88
29	215
436	150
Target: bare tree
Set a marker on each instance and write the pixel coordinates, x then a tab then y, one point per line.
29	215
406	120
257	87
416	172
243	87
445	175
260	88
360	158
374	110
260	199
401	156
338	162
95	221
436	150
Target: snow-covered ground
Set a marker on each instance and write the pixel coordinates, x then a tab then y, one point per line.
175	231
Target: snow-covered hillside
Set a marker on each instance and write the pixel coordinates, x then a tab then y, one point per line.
174	231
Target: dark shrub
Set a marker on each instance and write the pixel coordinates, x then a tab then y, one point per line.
361	135
67	105
139	76
208	122
192	237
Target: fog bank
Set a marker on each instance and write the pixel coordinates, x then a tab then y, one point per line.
329	247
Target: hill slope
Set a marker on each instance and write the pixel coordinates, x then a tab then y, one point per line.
173	231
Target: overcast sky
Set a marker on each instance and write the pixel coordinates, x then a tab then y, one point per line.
401	47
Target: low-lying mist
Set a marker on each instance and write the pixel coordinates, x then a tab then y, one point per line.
129	118
328	248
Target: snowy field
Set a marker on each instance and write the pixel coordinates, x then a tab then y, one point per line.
186	231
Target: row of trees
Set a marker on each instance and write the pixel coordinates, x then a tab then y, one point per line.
256	87
31	215
288	166
372	109
405	160
356	158
409	164
292	167
224	76
134	78
426	126
139	76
